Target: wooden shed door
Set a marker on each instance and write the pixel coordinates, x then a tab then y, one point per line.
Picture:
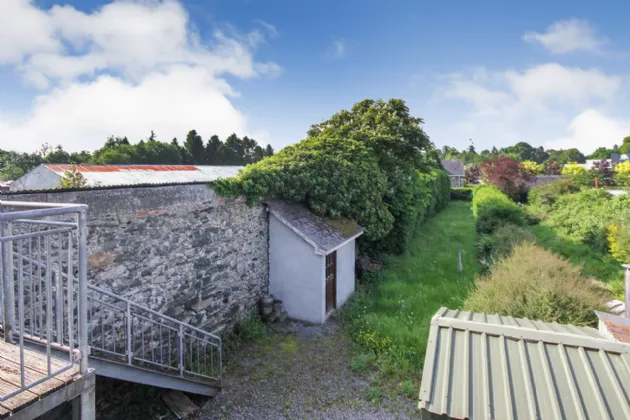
331	281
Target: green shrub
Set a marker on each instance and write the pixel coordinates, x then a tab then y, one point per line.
464	194
619	240
425	195
536	284
622	179
500	243
492	209
585	216
250	329
373	164
547	194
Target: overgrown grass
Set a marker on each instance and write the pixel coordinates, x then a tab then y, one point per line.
391	317
594	262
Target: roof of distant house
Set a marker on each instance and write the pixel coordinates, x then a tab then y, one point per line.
454	167
122	175
481	366
323	233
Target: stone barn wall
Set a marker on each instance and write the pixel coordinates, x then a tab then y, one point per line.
180	249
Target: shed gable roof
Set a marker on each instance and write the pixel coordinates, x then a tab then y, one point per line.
323	233
454	167
482	366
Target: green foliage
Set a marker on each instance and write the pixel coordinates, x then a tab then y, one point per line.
593	262
622	179
72	178
492	209
250	329
464	194
499	244
547	194
332	176
619	239
536	284
361	362
532	168
566	156
586	179
372	164
390	319
586	215
415	200
573	168
10	172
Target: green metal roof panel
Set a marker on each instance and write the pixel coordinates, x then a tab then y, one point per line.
481	366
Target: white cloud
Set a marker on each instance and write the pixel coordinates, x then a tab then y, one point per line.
338	48
591	129
125	69
549	104
568	36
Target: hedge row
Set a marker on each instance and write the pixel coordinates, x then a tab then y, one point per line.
464	194
424	196
493	209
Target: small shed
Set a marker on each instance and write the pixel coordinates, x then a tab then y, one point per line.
455	170
311	260
481	366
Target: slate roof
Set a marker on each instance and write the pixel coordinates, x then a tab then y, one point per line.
454	167
323	233
481	366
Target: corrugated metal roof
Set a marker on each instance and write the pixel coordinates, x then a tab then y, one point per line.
323	233
110	175
482	366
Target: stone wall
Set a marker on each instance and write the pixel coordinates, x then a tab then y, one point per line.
180	250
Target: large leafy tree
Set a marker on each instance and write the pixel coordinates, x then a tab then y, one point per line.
506	174
386	127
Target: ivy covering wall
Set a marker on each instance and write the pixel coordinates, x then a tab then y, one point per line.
373	164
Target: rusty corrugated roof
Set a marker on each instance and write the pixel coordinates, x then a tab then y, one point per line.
62	168
481	366
123	175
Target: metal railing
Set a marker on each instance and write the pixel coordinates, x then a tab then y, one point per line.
124	331
48	271
37	240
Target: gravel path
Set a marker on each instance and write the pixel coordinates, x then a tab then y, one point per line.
299	372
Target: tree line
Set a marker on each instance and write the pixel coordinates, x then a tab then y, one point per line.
525	152
119	150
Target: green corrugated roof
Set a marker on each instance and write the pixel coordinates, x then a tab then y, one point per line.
482	366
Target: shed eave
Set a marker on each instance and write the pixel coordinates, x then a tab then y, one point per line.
341	245
318	250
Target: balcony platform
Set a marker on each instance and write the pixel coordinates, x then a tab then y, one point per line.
35	368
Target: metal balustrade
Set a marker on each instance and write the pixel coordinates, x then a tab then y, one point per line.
46	266
34	308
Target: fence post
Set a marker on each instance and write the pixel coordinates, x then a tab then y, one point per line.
181	349
627	290
84	347
8	289
129	333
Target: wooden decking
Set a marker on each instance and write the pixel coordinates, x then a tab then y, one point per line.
36	367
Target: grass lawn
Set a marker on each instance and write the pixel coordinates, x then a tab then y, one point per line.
594	263
390	318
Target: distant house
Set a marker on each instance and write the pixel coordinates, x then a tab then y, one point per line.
455	170
483	366
49	176
5	186
311	260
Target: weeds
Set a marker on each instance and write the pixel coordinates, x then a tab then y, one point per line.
389	318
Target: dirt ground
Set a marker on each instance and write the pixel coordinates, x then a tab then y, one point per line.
300	372
296	371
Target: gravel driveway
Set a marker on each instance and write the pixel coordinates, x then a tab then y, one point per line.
299	372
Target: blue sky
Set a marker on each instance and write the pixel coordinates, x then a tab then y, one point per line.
73	72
